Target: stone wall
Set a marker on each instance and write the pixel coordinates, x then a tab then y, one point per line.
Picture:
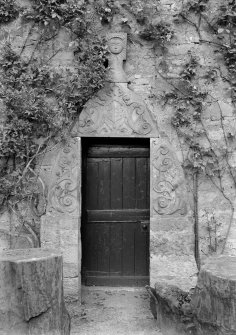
148	70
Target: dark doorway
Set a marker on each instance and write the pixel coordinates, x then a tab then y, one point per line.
115	215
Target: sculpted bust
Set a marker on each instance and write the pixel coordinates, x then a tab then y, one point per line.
117	43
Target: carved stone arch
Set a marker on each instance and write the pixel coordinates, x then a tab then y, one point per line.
116	111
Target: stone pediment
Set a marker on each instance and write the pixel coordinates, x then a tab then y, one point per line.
115	111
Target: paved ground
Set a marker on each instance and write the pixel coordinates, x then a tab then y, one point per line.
113	311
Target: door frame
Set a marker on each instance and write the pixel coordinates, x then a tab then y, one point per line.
60	226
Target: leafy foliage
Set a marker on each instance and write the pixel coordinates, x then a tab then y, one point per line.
226	17
213	226
195	6
106	10
142	11
187	100
187	122
8	11
161	33
203	157
60	12
189	69
225	25
39	102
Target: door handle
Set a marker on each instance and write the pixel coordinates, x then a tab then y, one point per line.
144	225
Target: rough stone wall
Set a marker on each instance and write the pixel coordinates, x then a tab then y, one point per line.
147	69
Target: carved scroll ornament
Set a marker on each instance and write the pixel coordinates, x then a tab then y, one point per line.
168	183
63	195
115	111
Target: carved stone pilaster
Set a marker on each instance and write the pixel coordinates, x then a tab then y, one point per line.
60	226
171	222
169	196
63	193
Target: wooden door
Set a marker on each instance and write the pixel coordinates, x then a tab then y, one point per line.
115	223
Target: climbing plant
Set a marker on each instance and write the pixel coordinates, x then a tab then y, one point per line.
212	225
160	33
38	101
201	156
142	11
106	9
9	11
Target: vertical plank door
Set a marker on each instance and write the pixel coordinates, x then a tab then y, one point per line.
115	222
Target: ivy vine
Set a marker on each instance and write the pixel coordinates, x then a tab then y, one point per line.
39	102
190	102
9	11
160	33
106	9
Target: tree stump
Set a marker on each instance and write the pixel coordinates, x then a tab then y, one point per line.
31	293
214	299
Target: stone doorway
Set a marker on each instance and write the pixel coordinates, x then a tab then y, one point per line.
171	227
116	111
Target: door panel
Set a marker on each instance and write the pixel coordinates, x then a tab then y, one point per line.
115	247
141	183
116	185
129	186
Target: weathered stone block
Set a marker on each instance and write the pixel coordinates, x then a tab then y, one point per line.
72	289
31	293
214	299
171	306
63	233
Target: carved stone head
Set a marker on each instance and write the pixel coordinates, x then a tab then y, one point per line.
117	44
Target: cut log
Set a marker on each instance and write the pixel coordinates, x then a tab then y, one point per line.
214	299
31	293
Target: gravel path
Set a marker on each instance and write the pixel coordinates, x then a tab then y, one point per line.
113	311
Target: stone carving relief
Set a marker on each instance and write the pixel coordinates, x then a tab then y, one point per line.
117	47
116	110
63	194
168	182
